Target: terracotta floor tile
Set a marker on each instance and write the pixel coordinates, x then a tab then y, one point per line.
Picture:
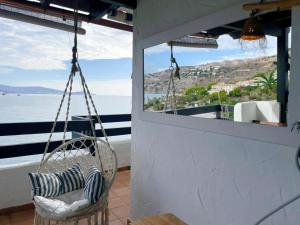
4	220
122	191
117	185
121	212
115	202
126	199
22	222
124	220
119	202
116	222
126	183
112	194
22	217
122	179
112	216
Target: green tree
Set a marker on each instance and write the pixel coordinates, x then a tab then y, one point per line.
209	86
267	81
154	104
236	92
248	89
196	91
213	97
218	97
223	96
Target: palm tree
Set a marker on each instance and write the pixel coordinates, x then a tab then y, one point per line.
267	81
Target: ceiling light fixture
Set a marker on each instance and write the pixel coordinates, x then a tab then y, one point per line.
253	32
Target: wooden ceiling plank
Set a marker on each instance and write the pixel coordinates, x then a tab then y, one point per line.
131	4
282	4
52	11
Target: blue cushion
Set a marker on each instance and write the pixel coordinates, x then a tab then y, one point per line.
94	185
71	179
45	184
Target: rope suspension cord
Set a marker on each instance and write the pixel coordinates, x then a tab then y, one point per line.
174	73
87	96
224	108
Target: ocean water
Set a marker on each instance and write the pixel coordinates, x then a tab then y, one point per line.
32	108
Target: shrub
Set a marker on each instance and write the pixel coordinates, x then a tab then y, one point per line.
196	91
236	92
209	86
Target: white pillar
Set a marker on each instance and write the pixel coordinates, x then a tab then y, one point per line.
294	99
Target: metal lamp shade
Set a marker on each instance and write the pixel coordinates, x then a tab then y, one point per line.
253	34
252	30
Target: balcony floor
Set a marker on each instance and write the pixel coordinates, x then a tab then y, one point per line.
119	205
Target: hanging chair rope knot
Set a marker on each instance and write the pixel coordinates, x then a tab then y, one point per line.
74	49
74	61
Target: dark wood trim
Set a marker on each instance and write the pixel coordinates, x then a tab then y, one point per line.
114	131
124	168
11	151
201	110
78	124
53	11
109	118
124	3
7	129
16	209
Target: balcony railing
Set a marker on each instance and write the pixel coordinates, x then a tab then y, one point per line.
204	109
78	124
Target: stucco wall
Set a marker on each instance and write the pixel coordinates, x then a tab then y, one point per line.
207	171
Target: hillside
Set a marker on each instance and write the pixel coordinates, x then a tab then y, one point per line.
30	90
227	71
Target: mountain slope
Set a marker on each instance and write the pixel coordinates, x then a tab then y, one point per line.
30	90
227	71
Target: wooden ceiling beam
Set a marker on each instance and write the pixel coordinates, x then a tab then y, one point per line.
53	11
281	4
131	4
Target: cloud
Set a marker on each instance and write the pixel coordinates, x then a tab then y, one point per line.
245	54
27	46
225	42
122	87
5	70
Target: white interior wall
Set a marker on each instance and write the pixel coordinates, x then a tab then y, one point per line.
207	171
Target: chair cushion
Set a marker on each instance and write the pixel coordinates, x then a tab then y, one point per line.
94	186
61	207
45	184
71	179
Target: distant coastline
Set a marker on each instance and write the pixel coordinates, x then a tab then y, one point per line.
6	89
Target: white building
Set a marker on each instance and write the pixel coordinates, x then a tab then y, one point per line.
223	87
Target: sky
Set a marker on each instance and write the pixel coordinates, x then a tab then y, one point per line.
32	55
157	58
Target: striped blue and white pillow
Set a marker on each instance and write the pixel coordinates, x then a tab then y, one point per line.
94	185
71	179
45	184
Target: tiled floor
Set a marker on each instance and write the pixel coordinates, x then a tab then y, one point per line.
119	204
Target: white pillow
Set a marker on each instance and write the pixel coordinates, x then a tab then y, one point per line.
58	208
